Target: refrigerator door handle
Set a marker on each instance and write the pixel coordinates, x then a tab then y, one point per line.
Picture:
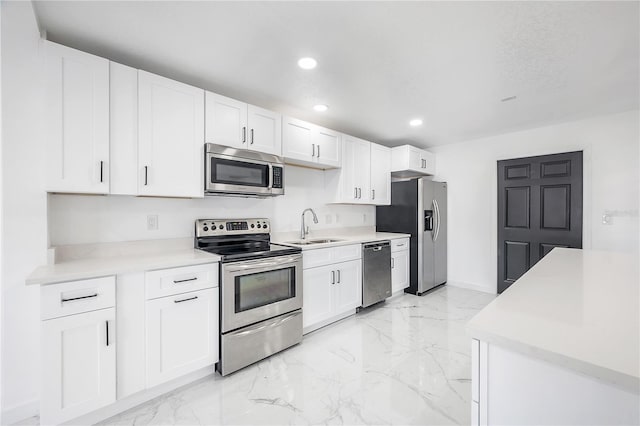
437	227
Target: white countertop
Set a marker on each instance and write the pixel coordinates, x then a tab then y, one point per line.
576	308
102	266
343	239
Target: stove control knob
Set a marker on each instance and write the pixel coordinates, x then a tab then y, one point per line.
264	225
252	225
259	226
205	229
220	227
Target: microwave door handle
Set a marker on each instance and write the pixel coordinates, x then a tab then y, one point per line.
270	177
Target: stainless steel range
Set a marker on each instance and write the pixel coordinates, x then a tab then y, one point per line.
261	290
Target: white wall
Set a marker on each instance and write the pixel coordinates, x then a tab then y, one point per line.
76	219
611	182
24	233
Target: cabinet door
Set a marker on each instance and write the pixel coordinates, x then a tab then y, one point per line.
348	287
349	190
361	168
77	121
415	159
79	365
429	162
182	335
317	298
171	137
265	131
226	121
328	147
298	140
380	174
399	270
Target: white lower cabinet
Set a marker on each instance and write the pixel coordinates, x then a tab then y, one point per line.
400	266
182	334
331	290
79	365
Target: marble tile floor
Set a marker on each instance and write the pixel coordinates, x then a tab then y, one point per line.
406	362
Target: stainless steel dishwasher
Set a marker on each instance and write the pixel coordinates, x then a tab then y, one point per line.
376	272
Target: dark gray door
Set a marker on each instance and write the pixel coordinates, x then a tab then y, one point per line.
539	208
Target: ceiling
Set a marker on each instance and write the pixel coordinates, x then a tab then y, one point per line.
380	64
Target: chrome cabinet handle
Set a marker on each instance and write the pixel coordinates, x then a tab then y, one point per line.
185	300
146	175
338	276
373	194
101	168
79	298
318	151
185	280
359	192
333	277
251	136
355	192
106	323
244	134
313	149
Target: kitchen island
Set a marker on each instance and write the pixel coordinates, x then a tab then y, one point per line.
562	344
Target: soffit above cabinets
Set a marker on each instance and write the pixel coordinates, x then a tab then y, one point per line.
380	64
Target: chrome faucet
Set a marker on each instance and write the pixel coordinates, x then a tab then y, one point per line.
304	230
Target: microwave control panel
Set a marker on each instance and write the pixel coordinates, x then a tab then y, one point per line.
277	177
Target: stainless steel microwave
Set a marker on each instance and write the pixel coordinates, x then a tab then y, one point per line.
241	172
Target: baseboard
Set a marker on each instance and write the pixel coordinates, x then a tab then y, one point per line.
472	286
20	412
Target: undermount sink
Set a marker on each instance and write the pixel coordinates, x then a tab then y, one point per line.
314	241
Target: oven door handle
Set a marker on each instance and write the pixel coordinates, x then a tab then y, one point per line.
263	264
271	324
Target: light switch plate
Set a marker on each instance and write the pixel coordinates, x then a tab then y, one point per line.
152	222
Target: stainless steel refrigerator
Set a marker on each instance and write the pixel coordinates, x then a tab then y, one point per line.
419	207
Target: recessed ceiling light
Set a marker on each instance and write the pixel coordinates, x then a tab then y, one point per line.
307	63
320	108
415	122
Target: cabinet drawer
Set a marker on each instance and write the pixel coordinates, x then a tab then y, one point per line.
346	253
167	282
74	297
327	256
399	244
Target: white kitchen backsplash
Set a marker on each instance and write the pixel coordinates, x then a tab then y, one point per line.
83	219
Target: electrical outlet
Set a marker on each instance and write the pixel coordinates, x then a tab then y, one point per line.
328	219
152	222
337	218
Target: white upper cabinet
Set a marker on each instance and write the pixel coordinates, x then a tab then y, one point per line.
380	174
236	124
409	161
226	121
170	138
309	145
77	121
265	130
365	177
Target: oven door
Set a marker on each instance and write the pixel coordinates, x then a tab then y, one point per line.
257	290
227	174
